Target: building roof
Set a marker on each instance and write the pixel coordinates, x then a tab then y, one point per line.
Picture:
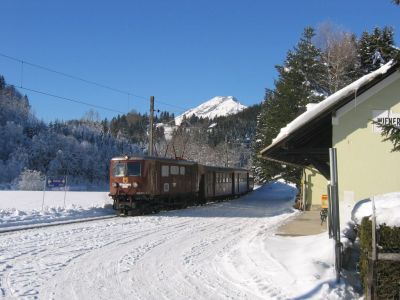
307	139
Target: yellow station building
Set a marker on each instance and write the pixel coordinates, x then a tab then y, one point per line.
344	120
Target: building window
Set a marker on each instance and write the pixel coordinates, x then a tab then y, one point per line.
182	170
164	171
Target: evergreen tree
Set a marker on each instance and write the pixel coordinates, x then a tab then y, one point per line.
298	84
266	130
2	82
381	40
391	133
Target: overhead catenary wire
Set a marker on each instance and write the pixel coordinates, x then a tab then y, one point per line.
68	99
83	80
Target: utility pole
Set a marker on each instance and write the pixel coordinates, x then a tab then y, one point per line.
151	126
226	151
334	193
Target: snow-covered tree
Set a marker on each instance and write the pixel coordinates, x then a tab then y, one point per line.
79	148
30	180
299	83
381	40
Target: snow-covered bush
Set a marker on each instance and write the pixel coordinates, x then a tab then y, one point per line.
30	180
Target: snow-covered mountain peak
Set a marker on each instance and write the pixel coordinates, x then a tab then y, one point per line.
215	107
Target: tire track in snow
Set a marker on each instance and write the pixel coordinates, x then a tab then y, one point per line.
112	264
49	252
197	253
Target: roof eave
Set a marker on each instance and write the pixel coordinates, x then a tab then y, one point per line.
329	109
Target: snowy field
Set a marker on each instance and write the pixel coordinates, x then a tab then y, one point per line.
22	208
225	250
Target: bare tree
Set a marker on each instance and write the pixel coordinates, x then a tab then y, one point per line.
339	56
91	116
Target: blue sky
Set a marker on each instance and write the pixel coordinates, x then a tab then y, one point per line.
182	52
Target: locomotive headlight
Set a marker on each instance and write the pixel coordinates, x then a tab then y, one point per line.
115	184
135	185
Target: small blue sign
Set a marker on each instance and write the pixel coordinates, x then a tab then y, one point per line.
56	182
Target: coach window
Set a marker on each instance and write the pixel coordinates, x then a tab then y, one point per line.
174	170
164	171
182	170
134	168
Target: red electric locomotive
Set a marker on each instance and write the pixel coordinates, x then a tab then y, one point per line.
141	185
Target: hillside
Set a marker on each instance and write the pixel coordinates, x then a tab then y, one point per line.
31	149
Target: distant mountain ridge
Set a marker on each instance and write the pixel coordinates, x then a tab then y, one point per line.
215	107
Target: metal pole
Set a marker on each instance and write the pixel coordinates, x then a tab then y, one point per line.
335	211
151	126
374	256
330	214
373	229
304	195
226	151
44	190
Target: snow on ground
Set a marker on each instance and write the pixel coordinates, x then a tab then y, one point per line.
387	209
225	250
22	208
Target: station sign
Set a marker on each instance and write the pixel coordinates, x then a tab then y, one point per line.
384	117
53	182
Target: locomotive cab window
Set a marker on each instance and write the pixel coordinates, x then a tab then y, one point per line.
119	169
134	169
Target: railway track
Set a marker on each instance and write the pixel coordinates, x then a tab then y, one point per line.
42	225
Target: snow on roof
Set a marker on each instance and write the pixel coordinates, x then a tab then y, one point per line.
387	209
317	109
